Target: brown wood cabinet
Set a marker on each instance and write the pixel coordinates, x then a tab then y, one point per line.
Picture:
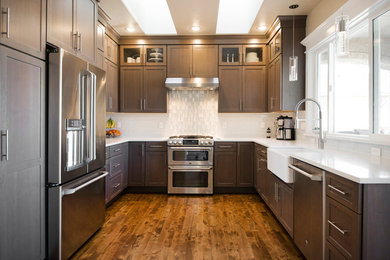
112	86
100	37
283	94
245	164
26	30
142	89
253	54
111	49
242	89
148	164
136	55
71	24
192	61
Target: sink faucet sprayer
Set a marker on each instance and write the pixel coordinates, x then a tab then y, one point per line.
321	140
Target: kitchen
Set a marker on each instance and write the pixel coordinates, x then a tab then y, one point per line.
194	129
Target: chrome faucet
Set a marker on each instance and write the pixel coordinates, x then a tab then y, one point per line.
321	139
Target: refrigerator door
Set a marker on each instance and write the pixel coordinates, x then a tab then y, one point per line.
67	123
76	212
99	140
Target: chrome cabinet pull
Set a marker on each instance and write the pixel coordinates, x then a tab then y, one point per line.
116	186
116	165
263	160
79	38
117	150
335	189
75	41
336	227
7	12
225	146
156	146
4	134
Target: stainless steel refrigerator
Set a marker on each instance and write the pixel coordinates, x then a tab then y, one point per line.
76	152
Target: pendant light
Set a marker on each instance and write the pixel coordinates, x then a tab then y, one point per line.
293	60
342	43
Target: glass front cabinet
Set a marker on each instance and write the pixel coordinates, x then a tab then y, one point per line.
241	55
135	55
275	46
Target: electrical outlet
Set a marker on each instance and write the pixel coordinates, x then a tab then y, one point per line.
376	151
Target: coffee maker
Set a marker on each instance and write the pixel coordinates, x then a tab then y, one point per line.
285	128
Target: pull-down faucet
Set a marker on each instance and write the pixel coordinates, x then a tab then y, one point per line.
321	140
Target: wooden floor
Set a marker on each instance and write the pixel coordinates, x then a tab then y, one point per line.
157	226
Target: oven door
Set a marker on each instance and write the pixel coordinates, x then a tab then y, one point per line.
190	180
190	156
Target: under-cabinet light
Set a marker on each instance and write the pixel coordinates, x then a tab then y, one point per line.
237	17
153	16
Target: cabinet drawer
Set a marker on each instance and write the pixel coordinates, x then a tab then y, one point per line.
107	152
156	146
117	165
261	150
117	149
115	186
225	146
331	253
343	228
344	191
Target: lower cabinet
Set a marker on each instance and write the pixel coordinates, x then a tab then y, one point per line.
117	166
233	164
278	195
148	164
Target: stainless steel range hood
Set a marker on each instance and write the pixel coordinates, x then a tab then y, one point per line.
192	83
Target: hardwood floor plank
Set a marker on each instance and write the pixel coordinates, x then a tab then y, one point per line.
158	226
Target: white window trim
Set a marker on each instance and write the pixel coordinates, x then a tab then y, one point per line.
324	35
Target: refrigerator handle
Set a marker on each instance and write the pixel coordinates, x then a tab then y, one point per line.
91	117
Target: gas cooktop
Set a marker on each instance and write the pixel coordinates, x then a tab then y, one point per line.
191	140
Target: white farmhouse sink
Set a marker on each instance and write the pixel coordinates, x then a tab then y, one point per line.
278	161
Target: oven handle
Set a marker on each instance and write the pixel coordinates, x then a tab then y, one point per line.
210	148
190	168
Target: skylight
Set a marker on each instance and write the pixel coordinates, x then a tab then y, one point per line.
153	16
237	17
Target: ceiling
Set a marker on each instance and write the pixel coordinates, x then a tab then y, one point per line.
203	13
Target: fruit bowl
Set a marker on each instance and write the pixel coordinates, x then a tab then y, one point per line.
111	130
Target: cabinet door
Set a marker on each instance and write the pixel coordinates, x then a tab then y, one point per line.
155	55
245	164
263	172
205	61
100	60
111	50
270	86
111	86
22	176
131	89
273	193
60	24
254	89
136	164
156	173
254	54
86	19
230	54
225	169
230	81
155	92
100	39
286	199
26	29
180	61
274	85
132	55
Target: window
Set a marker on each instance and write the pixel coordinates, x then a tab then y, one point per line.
343	86
382	74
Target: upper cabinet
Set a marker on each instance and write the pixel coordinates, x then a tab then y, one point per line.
71	24
23	26
283	94
135	55
111	50
242	55
189	61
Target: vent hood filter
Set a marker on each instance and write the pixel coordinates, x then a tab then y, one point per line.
192	83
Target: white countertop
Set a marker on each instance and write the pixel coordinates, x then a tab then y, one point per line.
364	169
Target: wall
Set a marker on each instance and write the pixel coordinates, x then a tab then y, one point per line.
321	12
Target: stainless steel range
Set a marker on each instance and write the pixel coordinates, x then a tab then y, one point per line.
190	164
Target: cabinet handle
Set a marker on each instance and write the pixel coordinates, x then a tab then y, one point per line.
7	12
75	41
79	38
225	146
116	165
116	186
4	134
117	150
263	160
156	146
336	227
335	189
262	151
143	150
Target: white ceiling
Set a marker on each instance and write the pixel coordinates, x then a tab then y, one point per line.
204	13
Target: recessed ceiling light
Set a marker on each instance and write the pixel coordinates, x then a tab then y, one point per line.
195	28
130	29
237	18
262	28
294	6
153	16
